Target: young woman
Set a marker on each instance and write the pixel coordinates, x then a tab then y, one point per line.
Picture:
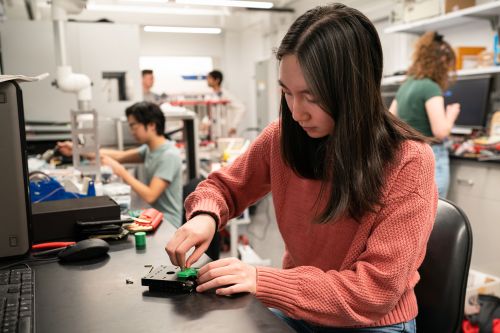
353	189
419	101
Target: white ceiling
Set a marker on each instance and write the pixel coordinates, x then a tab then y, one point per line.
157	12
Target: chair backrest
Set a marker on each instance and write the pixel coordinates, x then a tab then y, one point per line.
441	290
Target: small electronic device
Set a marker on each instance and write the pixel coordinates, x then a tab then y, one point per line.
83	250
171	279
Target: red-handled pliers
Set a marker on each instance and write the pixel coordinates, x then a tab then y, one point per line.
51	245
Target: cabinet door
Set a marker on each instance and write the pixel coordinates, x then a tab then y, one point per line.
467	178
484	216
492	185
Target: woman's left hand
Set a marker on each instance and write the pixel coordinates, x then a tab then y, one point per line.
228	276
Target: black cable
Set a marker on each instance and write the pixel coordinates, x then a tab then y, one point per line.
19	263
27	261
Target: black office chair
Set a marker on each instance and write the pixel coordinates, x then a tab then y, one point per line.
213	250
441	290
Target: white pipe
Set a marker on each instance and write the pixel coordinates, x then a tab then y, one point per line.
68	81
60	43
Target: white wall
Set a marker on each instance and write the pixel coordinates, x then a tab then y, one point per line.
253	39
154	44
28	48
169	44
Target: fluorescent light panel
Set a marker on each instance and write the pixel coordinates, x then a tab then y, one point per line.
186	30
142	2
228	3
152	10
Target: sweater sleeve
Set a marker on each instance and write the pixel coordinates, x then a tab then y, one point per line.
226	193
383	272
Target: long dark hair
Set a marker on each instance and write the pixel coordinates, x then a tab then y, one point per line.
339	52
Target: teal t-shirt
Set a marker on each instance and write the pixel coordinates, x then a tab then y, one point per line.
411	98
165	162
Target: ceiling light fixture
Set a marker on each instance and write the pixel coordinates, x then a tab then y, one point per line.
142	2
152	10
185	30
228	3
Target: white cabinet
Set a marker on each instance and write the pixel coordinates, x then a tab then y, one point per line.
475	187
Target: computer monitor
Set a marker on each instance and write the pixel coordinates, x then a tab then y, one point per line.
14	198
473	96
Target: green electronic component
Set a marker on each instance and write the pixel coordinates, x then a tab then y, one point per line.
187	273
140	240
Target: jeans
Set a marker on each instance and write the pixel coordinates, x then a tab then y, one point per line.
442	169
304	327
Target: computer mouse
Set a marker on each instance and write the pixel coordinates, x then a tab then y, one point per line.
85	249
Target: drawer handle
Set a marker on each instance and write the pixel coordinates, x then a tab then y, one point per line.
468	182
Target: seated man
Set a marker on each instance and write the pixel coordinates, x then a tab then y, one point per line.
161	158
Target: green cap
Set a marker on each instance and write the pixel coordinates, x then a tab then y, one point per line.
140	240
187	273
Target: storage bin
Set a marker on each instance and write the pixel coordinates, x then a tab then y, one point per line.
479	283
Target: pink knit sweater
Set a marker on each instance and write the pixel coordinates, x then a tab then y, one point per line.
340	274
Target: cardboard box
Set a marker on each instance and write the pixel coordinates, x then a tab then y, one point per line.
419	9
479	283
453	5
467	56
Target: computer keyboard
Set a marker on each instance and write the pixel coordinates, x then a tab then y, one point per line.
17	300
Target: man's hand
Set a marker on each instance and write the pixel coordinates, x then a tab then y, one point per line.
118	169
228	276
65	148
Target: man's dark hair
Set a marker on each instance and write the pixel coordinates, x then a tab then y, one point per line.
147	113
147	72
339	52
217	75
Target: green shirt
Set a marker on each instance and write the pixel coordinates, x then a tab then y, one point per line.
165	162
411	98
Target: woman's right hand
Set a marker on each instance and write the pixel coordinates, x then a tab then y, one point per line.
65	148
197	232
452	111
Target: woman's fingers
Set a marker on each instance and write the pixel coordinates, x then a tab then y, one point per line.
172	247
215	264
217	282
231	274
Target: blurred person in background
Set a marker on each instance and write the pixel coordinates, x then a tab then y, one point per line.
420	102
